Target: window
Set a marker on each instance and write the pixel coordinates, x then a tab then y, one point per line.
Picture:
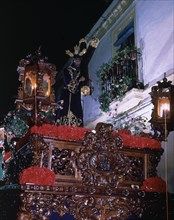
120	74
126	37
123	37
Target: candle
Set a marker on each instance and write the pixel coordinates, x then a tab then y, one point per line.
47	93
41	159
35	102
164	110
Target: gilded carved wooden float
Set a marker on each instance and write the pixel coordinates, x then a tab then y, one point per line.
96	177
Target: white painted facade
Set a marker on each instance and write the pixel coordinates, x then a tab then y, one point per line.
154	35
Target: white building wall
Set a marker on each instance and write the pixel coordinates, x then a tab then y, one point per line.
155	37
91	107
154	34
166	165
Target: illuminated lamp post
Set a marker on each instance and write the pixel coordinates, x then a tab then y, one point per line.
162	120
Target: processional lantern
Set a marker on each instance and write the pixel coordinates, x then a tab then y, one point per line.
162	120
35	93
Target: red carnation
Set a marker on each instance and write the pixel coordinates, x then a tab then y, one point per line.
37	176
154	184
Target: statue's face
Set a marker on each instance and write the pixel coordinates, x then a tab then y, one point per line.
76	61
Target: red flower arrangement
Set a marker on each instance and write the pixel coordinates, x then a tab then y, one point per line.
71	133
37	175
137	141
154	184
63	132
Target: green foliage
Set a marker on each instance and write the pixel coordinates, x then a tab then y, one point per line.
47	117
16	123
115	78
136	124
105	99
115	93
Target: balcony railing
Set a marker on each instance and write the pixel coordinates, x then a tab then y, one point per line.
118	76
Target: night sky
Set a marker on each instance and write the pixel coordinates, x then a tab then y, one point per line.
55	25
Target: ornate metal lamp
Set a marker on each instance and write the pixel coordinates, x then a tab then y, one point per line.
35	93
162	120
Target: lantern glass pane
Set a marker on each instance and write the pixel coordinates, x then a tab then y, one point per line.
46	84
29	84
164	107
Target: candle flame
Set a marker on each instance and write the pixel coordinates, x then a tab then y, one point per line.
164	109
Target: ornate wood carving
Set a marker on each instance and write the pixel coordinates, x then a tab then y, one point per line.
39	206
40	151
40	201
135	172
154	159
97	179
62	162
100	162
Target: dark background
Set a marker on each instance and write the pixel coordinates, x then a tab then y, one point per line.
55	25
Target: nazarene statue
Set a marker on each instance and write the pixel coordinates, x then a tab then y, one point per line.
73	81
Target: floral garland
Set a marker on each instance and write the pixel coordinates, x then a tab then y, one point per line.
137	141
63	132
37	175
154	184
71	133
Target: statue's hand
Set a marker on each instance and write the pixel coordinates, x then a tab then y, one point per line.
81	79
94	42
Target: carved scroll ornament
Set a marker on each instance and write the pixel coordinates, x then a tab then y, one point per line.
100	162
